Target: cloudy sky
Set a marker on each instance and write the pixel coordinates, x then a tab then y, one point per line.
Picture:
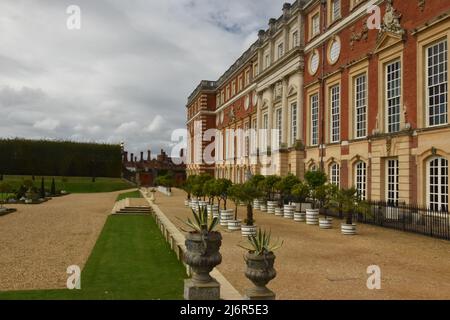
126	74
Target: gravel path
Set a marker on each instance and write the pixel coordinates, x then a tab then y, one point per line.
38	243
315	264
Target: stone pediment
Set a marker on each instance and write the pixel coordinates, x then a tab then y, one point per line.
387	40
292	90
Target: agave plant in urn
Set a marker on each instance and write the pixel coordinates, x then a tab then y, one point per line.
260	259
202	255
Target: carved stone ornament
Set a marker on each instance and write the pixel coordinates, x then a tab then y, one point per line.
391	21
421	5
232	115
356	37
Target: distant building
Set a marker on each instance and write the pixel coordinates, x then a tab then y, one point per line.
145	171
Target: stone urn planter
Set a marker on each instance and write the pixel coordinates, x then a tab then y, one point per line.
203	255
248	231
348	229
312	217
260	271
234	225
326	223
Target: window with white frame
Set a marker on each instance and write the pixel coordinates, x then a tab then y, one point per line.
280	50
437	84
315	25
293	123
279	119
314	103
267	61
264	136
295	39
335	174
336	10
247	138
233	88
393	96
335	115
392	186
438	184
247	77
361	106
361	179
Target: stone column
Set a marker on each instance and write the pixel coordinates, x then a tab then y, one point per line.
285	130
270	115
300	106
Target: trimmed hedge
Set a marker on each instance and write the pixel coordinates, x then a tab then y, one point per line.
59	158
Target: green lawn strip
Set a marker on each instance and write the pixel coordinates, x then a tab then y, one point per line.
132	194
130	261
75	184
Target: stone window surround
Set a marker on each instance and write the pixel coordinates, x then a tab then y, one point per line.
426	38
354	72
311	92
330	83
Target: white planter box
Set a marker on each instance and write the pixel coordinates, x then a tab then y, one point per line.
234	225
326	223
299	216
289	211
348	229
271	205
312	217
248	231
279	212
225	216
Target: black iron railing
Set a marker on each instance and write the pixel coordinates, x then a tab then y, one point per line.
408	218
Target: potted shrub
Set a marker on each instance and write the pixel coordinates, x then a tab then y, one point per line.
187	187
203	245
350	203
300	192
211	192
234	193
284	187
260	260
315	180
255	181
248	192
268	187
223	185
324	195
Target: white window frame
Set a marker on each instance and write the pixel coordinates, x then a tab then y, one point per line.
314	107
443	92
279	120
295	39
439	187
393	93
335	10
294	122
335	113
280	50
315	21
361	106
335	174
392	181
361	179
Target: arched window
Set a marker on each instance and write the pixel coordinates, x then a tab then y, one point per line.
313	167
335	174
361	179
437	185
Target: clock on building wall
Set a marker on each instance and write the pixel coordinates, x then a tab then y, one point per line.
314	62
334	50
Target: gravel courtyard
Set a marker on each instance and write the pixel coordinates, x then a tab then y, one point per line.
38	243
315	264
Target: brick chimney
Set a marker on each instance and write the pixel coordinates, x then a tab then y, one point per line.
132	157
125	156
149	155
142	156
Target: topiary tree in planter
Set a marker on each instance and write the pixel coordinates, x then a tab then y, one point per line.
300	192
349	201
315	180
268	186
187	185
247	192
222	186
210	190
285	186
260	260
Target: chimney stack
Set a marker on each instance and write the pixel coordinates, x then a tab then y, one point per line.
149	155
132	157
125	156
142	156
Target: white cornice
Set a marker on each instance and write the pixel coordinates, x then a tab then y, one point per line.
235	98
344	23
